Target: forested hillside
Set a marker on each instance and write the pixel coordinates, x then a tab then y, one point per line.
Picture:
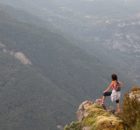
43	75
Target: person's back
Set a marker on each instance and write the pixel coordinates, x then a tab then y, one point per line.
116	85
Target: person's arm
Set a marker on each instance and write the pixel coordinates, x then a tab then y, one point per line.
108	88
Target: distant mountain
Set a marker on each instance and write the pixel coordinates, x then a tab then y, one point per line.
28	99
99	26
123	38
43	73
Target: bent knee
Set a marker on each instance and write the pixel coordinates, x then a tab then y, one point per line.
107	93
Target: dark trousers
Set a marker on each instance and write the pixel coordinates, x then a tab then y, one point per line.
109	94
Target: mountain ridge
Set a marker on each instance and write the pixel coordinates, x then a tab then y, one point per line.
60	77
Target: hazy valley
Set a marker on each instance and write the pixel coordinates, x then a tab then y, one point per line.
54	57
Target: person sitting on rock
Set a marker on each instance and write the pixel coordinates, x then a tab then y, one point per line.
115	94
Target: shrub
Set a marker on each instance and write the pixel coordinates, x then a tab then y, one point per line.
73	126
131	109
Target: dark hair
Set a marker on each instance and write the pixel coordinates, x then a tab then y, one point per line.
114	77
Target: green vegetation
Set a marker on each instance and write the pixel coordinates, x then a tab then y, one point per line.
97	119
45	94
131	109
73	126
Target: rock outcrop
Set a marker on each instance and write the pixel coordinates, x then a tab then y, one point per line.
93	116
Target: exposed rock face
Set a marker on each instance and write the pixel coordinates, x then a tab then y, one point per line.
81	112
22	58
18	55
92	116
